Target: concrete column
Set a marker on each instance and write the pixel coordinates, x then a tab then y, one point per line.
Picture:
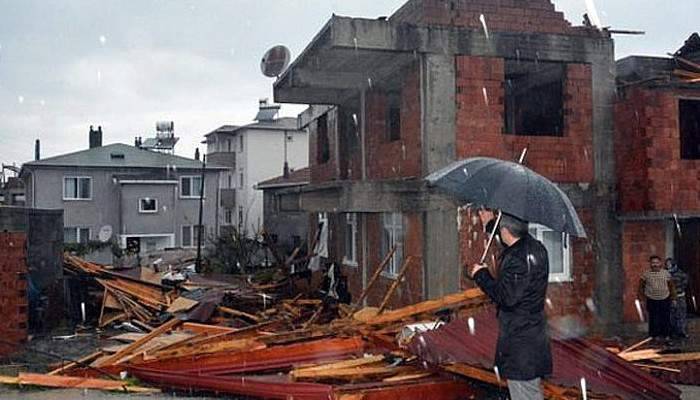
609	273
438	124
438	111
440	253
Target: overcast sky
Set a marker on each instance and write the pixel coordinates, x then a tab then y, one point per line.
126	64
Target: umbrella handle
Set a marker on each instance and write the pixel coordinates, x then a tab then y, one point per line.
493	234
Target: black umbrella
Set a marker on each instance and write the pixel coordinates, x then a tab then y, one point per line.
511	188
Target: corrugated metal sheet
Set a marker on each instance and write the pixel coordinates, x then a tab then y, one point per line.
574	359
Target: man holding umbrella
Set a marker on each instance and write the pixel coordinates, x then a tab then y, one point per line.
519	286
523	354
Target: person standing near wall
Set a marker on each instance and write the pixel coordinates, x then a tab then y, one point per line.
656	286
679	307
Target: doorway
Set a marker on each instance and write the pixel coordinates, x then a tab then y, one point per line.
687	255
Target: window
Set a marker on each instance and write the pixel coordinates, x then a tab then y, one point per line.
241	179
190	186
240	140
230	181
190	235
393	116
240	217
534	98
559	250
77	188
228	144
689	125
350	257
323	147
392	235
228	216
148	205
76	235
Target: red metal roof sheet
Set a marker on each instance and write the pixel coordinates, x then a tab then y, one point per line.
574	358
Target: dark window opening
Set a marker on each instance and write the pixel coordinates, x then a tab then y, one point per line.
323	148
534	98
349	128
689	124
393	116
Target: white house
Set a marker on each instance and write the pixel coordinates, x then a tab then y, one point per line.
254	153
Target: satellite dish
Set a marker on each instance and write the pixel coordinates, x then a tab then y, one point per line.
275	61
105	233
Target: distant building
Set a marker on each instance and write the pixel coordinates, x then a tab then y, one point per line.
138	197
12	192
283	216
253	153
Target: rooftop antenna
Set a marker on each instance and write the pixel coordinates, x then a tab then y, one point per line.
275	61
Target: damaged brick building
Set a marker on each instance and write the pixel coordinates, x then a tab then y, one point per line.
658	162
396	99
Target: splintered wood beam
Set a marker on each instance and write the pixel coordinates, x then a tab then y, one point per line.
636	345
455	300
82	361
132	348
236	313
395	284
375	277
72	382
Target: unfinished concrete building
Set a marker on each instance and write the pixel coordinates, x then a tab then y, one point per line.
396	99
658	153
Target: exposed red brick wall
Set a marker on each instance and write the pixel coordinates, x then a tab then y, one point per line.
640	240
400	158
410	290
325	171
13	291
567	298
651	174
501	15
480	108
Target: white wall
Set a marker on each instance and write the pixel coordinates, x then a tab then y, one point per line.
262	159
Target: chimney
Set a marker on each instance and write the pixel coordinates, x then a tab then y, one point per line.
285	171
196	154
95	137
37	150
262	102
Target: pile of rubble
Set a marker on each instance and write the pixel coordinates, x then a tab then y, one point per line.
237	340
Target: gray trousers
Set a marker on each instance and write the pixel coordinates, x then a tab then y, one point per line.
525	390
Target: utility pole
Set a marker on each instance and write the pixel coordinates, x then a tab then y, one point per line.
198	263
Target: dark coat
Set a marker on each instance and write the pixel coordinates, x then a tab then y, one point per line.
523	349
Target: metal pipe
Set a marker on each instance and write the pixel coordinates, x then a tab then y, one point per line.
198	264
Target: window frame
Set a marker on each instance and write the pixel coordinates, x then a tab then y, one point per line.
566	274
191	186
78	235
77	183
395	225
228	216
193	242
144	211
350	229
